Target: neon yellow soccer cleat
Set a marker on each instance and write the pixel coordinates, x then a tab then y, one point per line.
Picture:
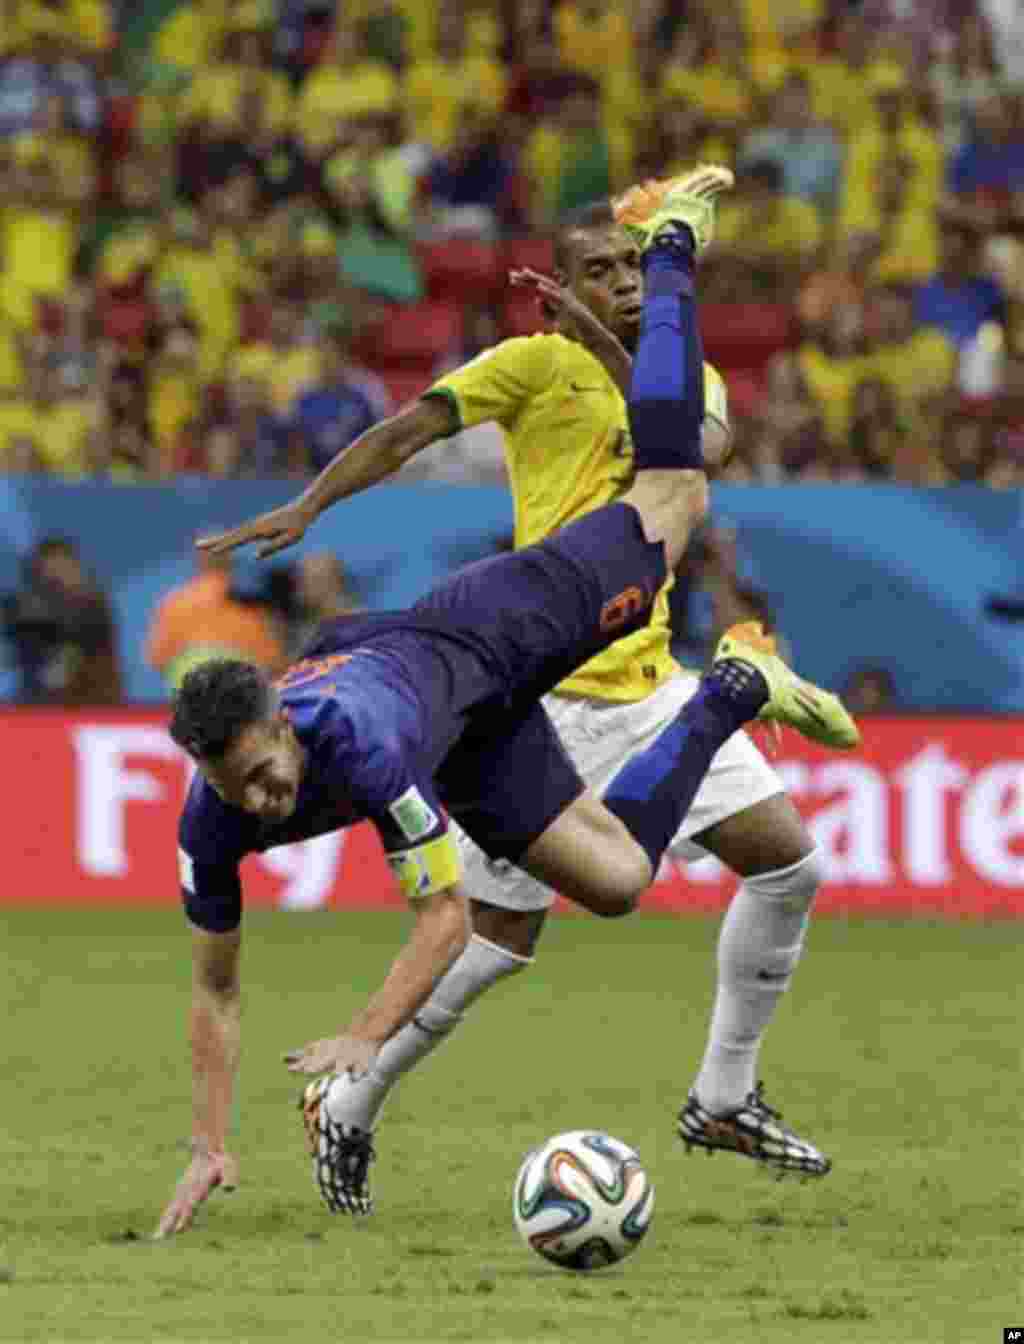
816	713
646	209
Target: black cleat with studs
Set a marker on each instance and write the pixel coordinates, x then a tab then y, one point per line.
755	1131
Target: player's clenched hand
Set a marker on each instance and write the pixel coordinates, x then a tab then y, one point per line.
335	1055
275	530
205	1173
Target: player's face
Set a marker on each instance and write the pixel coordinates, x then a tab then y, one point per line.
606	276
261	771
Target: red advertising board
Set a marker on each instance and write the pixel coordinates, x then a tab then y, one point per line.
926	818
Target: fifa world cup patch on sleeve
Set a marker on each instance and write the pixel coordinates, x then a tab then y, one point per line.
413	814
428	868
186	872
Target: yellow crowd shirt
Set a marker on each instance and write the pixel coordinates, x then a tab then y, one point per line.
434	91
330	95
569	451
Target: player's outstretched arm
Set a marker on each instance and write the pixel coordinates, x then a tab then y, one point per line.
374	456
438	939
215	1029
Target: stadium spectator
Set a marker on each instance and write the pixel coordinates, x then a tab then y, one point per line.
775	237
594	37
321	593
781	37
251	439
49	56
806	151
347	86
40	235
202	619
61	629
956	299
967	449
875	446
842	79
387	33
333	412
963	74
682	135
895	141
53	411
537	84
871	690
707	67
917	365
174	394
911	29
470	186
905	220
833	366
843	281
191	264
988	169
239	94
790	438
574	158
372	190
437	87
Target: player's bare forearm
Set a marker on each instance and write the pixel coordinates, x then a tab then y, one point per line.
215	1031
374	455
215	1028
438	939
377	454
606	347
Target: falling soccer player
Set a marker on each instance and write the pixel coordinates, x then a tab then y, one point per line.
404	719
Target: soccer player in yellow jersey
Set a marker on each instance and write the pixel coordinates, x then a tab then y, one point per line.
559	399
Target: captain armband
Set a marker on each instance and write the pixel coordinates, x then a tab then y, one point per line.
426	869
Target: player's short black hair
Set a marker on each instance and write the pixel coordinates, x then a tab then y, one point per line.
216	701
593	217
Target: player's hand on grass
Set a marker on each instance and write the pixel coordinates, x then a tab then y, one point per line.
206	1172
338	1054
274	531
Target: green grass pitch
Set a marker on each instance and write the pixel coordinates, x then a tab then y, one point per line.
898	1050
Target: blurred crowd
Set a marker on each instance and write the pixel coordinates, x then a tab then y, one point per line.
235	233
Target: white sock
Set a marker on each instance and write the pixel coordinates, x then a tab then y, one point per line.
481	965
762	935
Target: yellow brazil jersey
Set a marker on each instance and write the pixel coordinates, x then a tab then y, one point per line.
568	449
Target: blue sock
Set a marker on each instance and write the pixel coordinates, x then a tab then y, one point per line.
653	791
666	397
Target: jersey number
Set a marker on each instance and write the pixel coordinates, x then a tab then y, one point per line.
311	668
623	608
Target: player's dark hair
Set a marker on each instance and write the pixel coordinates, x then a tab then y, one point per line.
216	701
593	217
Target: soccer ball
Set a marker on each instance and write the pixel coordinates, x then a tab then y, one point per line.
582	1200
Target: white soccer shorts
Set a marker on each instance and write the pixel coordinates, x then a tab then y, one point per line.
600	736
